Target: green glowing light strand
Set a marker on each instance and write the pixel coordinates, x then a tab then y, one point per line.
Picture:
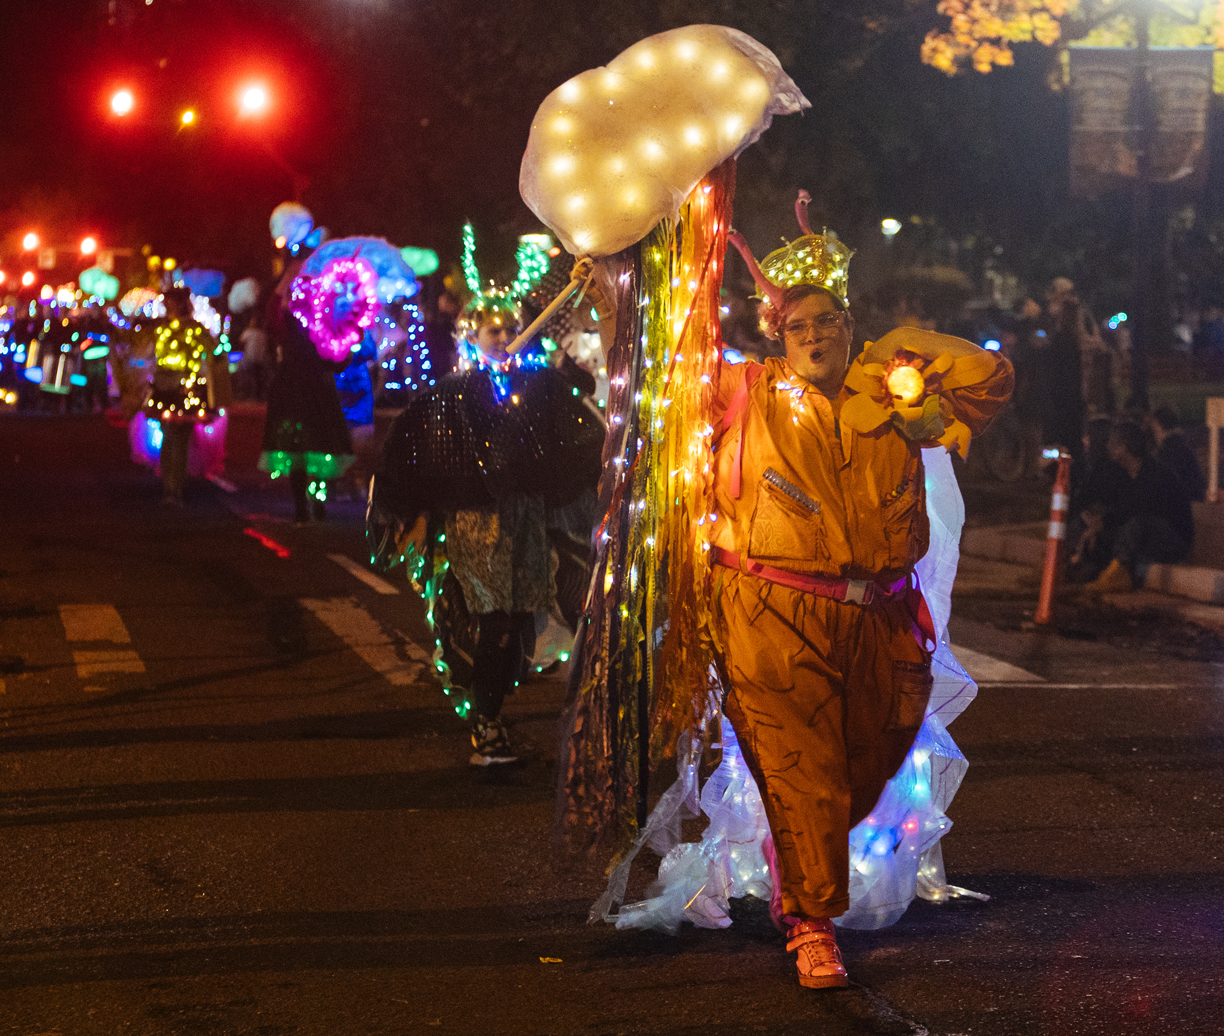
316	465
532	258
470	273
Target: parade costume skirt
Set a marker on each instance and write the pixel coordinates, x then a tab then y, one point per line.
206	456
893	853
305	428
517	556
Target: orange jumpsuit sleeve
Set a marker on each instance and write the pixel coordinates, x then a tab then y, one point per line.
991	379
730	379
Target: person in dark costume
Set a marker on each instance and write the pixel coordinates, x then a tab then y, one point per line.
1061	368
305	434
474	477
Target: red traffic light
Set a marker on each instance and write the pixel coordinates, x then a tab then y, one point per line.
253	99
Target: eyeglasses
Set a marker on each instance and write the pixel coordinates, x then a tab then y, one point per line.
822	322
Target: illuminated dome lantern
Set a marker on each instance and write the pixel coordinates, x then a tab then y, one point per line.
617	149
396	279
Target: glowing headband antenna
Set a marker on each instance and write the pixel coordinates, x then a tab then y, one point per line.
801	204
470	273
767	287
532	259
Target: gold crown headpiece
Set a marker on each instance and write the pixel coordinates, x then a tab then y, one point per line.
819	259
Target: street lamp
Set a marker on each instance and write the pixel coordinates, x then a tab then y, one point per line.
889	228
30	241
89	245
122	102
253	100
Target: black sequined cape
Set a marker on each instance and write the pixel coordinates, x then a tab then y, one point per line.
467	442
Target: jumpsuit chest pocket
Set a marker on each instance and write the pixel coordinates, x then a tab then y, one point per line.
786	522
900	508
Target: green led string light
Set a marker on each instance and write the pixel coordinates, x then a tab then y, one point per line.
470	273
532	259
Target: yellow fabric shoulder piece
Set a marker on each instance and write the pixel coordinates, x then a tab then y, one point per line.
928	418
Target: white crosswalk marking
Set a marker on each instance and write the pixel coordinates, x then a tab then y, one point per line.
367	577
985	669
92	624
358	629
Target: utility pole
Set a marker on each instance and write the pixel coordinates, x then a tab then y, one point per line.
1148	224
1143	116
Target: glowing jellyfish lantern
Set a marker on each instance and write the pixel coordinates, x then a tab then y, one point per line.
337	306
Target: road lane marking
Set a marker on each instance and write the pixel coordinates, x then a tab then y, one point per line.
988	670
367	639
93	622
92	663
415	650
364	574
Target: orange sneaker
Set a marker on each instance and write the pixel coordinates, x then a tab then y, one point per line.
820	961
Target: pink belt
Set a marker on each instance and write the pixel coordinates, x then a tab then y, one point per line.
852	591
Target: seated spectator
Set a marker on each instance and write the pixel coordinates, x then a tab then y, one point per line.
1098	494
1176	454
1155	524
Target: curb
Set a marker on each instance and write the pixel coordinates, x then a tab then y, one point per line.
1205	585
1022	544
1026	544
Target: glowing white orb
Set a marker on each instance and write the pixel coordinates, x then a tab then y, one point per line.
906	384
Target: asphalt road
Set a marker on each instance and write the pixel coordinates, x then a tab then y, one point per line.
232	801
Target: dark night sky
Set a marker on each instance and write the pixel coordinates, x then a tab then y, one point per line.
403	117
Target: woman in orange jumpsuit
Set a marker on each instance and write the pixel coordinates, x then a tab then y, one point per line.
820	630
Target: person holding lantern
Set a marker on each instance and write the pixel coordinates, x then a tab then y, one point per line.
305	434
820	519
475	476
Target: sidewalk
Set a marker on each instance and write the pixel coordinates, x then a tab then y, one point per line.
1010	557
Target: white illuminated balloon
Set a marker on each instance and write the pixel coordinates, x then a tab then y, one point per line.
616	149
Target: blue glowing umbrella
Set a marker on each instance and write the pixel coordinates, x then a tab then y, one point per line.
395	277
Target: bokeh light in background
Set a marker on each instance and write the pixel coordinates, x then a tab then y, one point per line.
253	99
122	102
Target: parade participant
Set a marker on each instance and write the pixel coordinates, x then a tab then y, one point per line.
762	530
305	434
819	492
474	475
356	390
179	399
820	501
